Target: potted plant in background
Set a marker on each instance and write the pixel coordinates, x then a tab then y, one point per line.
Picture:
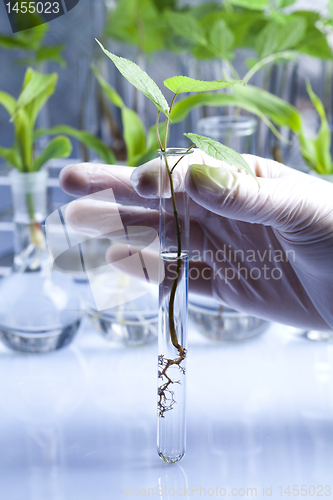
39	308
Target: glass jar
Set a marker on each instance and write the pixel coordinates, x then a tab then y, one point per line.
39	308
212	319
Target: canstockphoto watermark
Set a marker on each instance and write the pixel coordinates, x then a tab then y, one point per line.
25	15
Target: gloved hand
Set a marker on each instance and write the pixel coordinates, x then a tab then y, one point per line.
267	252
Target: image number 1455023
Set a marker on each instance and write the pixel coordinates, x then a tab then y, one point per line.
25	15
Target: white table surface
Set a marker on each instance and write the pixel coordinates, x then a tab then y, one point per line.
80	423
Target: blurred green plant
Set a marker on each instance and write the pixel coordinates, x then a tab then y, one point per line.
141	145
143	25
23	111
32	43
274	111
216	32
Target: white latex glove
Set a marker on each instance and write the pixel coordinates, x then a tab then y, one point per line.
291	215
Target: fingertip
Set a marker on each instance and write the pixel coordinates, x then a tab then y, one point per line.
145	179
72	179
206	181
117	252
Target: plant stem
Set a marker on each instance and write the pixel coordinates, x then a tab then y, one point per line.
266	60
165	364
172	327
157	132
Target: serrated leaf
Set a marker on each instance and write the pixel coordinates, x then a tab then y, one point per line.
221	152
139	78
180	84
221	39
60	147
86	138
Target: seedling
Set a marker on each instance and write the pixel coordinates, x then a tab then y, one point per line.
23	111
178	85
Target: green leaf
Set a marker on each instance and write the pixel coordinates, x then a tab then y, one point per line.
108	90
12	157
285	3
36	90
222	39
143	26
316	46
24	138
11	42
180	84
133	128
86	138
278	110
275	37
330	8
220	152
60	147
8	102
251	4
139	78
134	134
186	26
267	41
165	4
183	107
292	33
51	53
317	152
250	62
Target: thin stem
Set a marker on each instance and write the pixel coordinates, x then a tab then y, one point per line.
172	327
180	159
167	122
165	364
157	132
266	60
